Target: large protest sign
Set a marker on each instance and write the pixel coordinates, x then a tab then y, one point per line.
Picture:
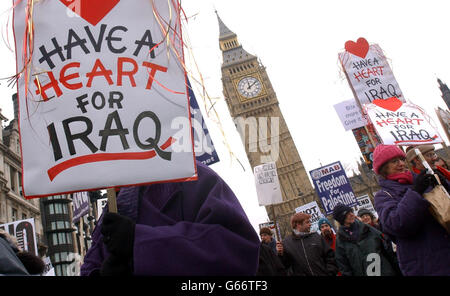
365	144
203	145
399	123
312	209
80	202
25	233
332	186
368	72
98	90
364	202
350	115
267	184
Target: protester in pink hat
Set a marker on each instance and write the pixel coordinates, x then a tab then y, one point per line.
423	245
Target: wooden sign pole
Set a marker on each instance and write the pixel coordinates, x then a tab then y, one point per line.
112	203
359	105
275	222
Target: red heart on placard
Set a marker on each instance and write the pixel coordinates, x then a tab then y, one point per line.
360	48
92	11
391	104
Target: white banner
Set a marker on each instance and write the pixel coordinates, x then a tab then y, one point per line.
312	209
25	233
368	72
350	115
364	202
400	123
267	184
104	83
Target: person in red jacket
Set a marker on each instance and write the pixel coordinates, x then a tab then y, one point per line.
327	232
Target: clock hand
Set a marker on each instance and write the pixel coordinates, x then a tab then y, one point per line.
252	84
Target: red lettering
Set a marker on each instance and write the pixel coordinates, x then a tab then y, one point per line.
121	72
64	79
52	84
380	123
400	121
152	73
103	72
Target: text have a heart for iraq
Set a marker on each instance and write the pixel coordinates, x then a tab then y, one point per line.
57	84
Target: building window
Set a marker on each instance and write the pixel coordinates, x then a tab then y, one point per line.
64	206
20	184
55	239
24	216
58	208
51	209
14	214
12	176
18	146
57	257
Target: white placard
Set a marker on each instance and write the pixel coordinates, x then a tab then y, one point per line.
267	184
101	203
350	115
312	209
400	123
364	202
25	233
370	76
99	97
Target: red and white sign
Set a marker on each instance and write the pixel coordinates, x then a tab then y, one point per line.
368	72
399	123
104	81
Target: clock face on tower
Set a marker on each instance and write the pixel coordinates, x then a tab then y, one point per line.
249	87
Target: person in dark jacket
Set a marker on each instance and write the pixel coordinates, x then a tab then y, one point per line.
423	245
10	264
306	253
269	263
183	229
267	238
17	262
361	250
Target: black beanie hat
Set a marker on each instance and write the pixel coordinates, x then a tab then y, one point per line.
340	211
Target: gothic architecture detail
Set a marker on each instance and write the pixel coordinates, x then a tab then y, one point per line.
252	100
445	92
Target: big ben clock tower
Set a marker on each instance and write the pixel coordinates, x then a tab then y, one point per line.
250	97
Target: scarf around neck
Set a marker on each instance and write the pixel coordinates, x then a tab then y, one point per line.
402	178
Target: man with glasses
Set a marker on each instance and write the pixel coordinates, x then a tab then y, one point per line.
415	162
430	156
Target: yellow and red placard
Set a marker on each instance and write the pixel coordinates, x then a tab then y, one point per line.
100	83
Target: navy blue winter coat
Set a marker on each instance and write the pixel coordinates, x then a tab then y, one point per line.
423	245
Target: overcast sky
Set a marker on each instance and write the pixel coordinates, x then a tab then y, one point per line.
299	42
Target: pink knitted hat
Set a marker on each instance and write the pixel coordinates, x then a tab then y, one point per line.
384	153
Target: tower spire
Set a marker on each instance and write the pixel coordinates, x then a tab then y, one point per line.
224	32
445	92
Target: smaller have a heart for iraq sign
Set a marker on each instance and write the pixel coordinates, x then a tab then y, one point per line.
100	83
368	72
399	123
